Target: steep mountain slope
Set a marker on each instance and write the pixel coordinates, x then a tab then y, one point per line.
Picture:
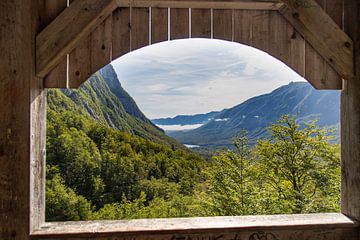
187	119
257	113
103	98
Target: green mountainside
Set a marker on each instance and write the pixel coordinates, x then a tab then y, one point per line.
103	99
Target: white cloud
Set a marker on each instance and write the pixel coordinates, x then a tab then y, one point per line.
197	76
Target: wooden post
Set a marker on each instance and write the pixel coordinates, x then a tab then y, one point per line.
350	121
20	94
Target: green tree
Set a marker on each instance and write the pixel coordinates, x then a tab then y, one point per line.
231	182
300	166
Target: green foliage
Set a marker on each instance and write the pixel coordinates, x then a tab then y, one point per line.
300	166
98	172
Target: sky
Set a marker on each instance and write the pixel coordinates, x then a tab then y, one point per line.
198	76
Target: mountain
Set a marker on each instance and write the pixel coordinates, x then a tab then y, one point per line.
103	99
256	114
187	119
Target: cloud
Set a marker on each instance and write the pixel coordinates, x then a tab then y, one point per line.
197	76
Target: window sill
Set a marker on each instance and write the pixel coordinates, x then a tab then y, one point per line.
299	226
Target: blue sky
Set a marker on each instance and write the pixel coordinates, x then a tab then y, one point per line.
198	76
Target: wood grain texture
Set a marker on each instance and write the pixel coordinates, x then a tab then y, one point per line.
159	24
323	34
350	121
80	63
64	33
179	23
101	40
139	28
316	226
121	32
48	11
243	26
18	97
223	24
208	4
260	30
201	23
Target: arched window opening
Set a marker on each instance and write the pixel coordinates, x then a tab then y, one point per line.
194	128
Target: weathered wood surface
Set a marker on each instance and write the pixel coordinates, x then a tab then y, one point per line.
223	24
48	11
201	23
179	23
159	24
139	28
216	4
121	32
64	33
350	121
20	95
323	34
327	226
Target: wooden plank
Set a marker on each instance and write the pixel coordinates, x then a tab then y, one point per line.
101	39
179	23
330	226
286	44
243	26
159	24
323	34
350	121
19	93
121	32
223	24
64	33
80	63
201	23
139	28
334	8
48	11
215	4
317	71
260	30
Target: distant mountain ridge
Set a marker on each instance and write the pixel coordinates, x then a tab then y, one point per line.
187	119
256	114
103	99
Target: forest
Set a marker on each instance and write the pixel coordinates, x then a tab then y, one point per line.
97	172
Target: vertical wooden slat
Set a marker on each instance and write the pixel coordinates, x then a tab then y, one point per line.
139	28
286	44
159	24
350	120
223	24
317	71
200	23
260	30
297	52
121	32
243	26
49	10
101	39
334	8
80	63
179	23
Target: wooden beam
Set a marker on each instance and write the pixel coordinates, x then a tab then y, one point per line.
330	226
205	4
317	27
66	31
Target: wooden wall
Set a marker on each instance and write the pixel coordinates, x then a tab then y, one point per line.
22	95
130	28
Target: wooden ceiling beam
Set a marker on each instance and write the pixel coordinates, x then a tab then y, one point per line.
63	34
322	33
205	4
